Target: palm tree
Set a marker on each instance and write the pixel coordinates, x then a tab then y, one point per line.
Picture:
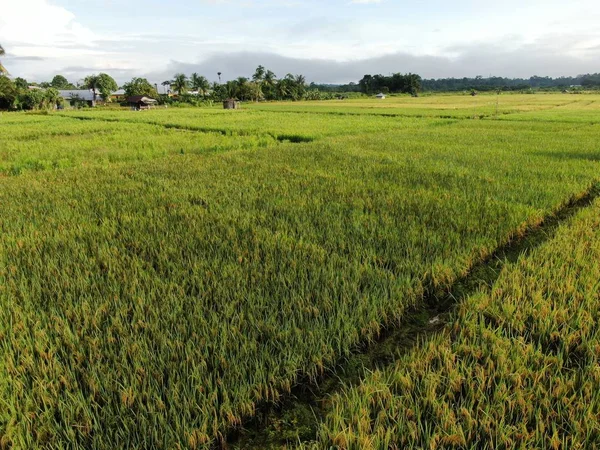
259	75
194	81
300	86
166	83
2	69
180	83
200	84
282	89
269	78
219	73
232	89
254	91
92	83
268	84
242	88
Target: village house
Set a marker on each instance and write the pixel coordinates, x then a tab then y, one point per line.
72	96
118	96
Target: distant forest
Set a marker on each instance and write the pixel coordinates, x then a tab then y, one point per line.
396	83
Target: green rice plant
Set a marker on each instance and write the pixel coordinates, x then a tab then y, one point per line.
156	298
295	127
446	106
60	143
517	368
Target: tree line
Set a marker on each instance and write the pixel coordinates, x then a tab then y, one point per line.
409	83
19	94
195	89
396	83
481	83
262	85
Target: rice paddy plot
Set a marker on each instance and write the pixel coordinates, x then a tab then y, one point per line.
282	126
59	143
517	368
164	273
455	106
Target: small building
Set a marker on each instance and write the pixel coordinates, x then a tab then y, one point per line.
139	102
75	96
231	103
118	96
380	96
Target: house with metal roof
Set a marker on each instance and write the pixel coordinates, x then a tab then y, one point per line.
73	96
118	95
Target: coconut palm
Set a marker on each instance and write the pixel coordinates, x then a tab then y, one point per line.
243	92
268	84
180	83
52	99
300	86
269	78
200	84
283	89
259	75
166	83
254	90
2	69
232	89
92	82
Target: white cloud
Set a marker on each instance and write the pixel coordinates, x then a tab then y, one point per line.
37	22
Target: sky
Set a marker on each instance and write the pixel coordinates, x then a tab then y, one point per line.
333	41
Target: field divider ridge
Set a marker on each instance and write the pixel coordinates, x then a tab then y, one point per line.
295	139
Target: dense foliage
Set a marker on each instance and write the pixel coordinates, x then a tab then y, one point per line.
264	85
18	96
507	84
102	84
140	86
60	82
396	83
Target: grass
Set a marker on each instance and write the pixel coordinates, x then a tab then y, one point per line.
59	142
154	298
517	368
455	106
285	126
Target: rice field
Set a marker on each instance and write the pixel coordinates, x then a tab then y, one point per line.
163	274
518	367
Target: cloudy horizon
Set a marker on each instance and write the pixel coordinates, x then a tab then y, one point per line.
335	43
